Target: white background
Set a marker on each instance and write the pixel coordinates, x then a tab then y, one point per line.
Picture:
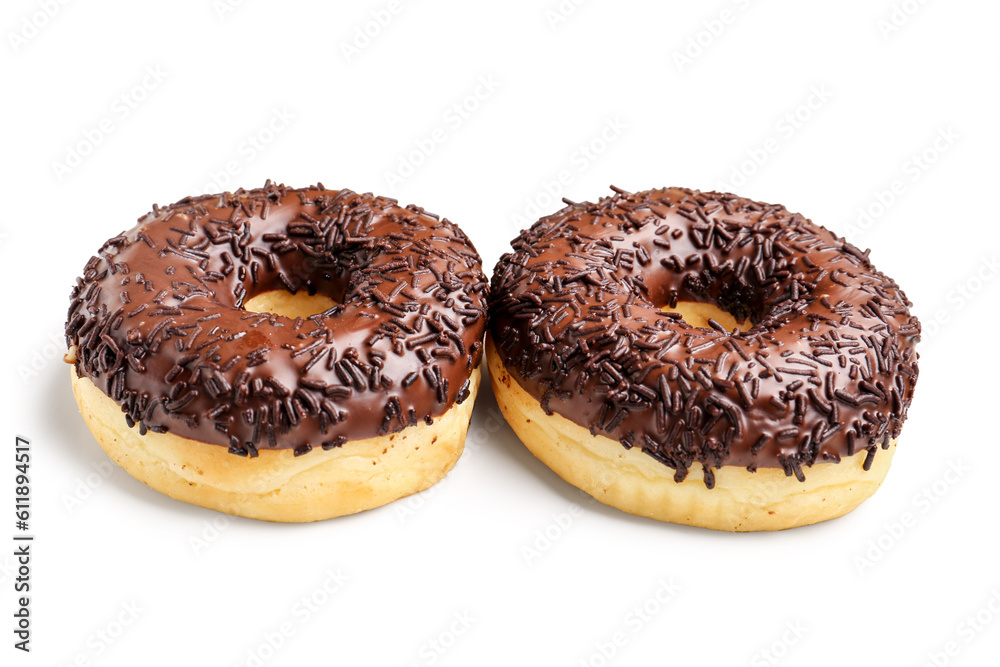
877	120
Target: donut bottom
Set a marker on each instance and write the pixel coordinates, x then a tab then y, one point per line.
277	485
628	479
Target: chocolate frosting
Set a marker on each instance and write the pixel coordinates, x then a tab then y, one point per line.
827	369
159	326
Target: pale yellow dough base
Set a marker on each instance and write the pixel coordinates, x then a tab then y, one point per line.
636	483
291	305
278	486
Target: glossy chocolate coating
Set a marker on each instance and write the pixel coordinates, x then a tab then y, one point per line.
159	326
827	369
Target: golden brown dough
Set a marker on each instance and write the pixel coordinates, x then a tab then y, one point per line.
277	485
636	483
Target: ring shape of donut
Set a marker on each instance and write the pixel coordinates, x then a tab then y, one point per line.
788	420
274	417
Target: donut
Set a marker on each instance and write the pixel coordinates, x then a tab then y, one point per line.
281	354
702	359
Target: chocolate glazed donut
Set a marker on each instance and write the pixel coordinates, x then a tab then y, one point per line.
157	323
824	373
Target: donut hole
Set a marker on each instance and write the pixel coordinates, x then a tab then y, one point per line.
281	302
712	293
697	314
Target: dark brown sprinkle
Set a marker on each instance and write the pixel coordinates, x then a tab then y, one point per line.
870	457
336	442
809	365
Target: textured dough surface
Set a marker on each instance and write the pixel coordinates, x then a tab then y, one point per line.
278	486
634	482
290	305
